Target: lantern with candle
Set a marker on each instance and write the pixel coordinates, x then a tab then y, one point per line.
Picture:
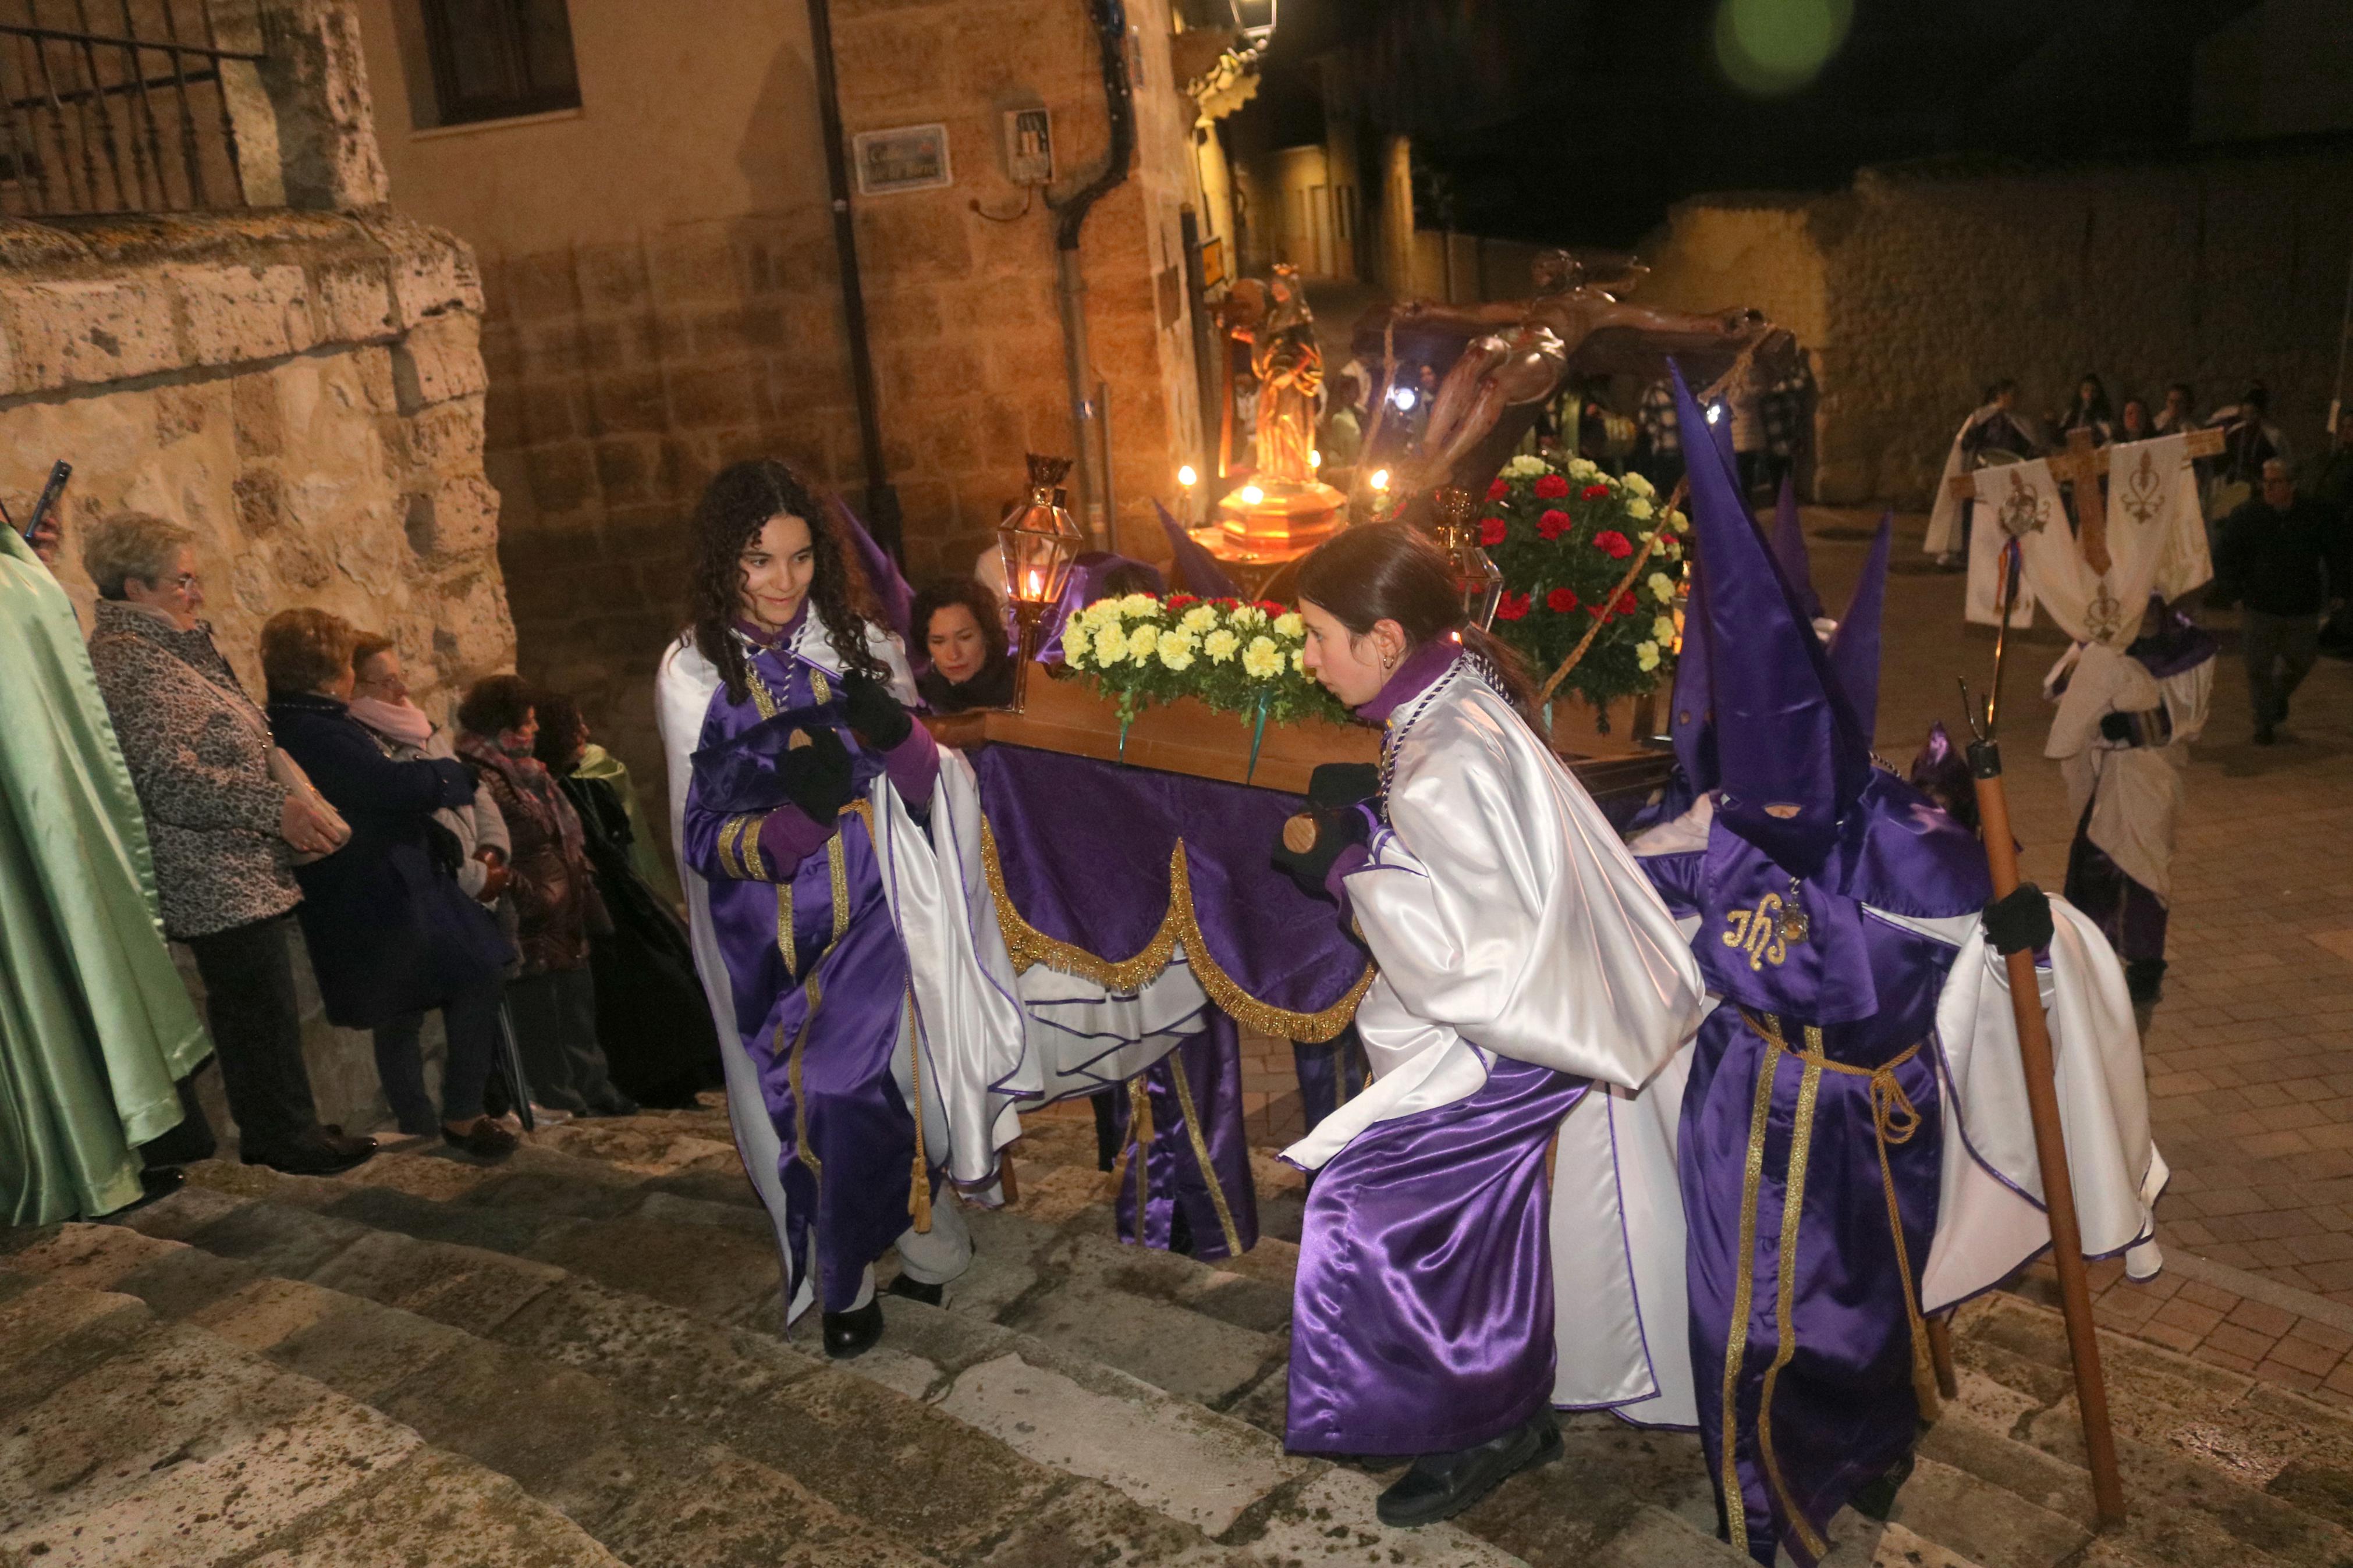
1458	536
1037	542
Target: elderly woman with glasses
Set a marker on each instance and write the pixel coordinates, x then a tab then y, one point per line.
225	830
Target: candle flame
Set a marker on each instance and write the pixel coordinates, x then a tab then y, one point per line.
1380	479
1314	459
1252	495
1187	476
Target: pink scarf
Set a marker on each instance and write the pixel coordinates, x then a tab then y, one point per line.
403	721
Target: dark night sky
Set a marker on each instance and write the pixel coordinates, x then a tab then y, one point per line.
1582	121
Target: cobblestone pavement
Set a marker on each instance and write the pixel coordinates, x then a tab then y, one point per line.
2250	1054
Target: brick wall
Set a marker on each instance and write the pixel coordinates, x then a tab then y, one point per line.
1922	283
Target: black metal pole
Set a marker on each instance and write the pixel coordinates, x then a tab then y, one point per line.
882	511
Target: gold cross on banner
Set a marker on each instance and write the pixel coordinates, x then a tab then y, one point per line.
2082	464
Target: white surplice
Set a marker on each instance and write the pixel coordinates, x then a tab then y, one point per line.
1990	1220
966	1023
1508	919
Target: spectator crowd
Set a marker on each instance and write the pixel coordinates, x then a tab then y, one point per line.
472	873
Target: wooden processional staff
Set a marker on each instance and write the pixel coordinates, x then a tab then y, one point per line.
2042	1086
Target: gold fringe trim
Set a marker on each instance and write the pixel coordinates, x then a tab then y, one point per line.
1030	946
1743	1297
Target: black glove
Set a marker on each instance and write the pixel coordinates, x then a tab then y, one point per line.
816	776
442	847
874	713
1335	829
1335	785
2117	727
2021	921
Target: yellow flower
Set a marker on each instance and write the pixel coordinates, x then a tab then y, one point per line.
1679	523
1290	624
1639	486
1638	509
1299	661
1646	656
1664	629
1074	644
1262	661
1143	643
1661	587
1110	646
1199	619
1139	605
1584	468
1246	616
1221	646
1101	611
1176	649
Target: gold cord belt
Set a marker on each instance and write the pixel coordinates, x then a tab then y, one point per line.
1895	1120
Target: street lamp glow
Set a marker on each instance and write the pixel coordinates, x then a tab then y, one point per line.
1402	397
1715	413
1187	476
1251	495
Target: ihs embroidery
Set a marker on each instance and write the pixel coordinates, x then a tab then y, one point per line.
1765	932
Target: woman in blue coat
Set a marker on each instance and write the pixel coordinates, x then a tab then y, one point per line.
389	929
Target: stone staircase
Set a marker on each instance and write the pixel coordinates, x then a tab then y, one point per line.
577	1357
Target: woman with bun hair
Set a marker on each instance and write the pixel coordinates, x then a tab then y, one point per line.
841	923
1524	966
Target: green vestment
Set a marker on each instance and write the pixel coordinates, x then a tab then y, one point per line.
95	1024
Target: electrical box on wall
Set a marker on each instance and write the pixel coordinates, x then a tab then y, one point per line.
1028	146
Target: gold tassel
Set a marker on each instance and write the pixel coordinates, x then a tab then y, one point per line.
1139	1139
919	1191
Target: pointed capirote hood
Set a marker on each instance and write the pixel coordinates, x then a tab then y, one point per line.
1789	754
1854	646
1692	726
1789	551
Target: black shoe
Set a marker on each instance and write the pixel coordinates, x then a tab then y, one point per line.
155	1181
917	1290
1441	1486
1876	1498
317	1153
853	1334
485	1136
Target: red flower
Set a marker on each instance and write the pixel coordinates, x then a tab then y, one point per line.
1595	492
1178	601
1271	608
1552	523
1560	601
1625	605
1613	544
1491	531
1551	487
1499	490
1512	607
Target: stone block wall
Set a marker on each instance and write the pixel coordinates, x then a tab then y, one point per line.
1923	283
302	390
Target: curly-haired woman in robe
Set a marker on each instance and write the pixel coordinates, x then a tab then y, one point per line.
841	924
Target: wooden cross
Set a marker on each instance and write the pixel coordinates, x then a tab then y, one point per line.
2082	464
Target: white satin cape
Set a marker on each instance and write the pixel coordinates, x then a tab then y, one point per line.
1990	1220
1508	919
966	1023
2135	792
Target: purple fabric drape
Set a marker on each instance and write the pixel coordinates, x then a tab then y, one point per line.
2132	917
1085	848
1424	1322
1197	570
1084	586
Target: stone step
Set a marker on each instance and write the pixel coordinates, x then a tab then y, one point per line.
996	1408
125	1439
2216	1467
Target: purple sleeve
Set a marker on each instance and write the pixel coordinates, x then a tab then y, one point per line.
1351	859
913	765
789	835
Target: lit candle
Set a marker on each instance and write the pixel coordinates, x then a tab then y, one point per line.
1314	459
1252	495
1187	476
1380	479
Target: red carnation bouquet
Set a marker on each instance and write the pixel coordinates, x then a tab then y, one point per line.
1564	537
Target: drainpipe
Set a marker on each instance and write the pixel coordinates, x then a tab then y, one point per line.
882	512
1089	417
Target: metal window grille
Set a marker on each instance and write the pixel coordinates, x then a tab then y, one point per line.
115	106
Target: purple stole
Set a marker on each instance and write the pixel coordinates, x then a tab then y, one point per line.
819	978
